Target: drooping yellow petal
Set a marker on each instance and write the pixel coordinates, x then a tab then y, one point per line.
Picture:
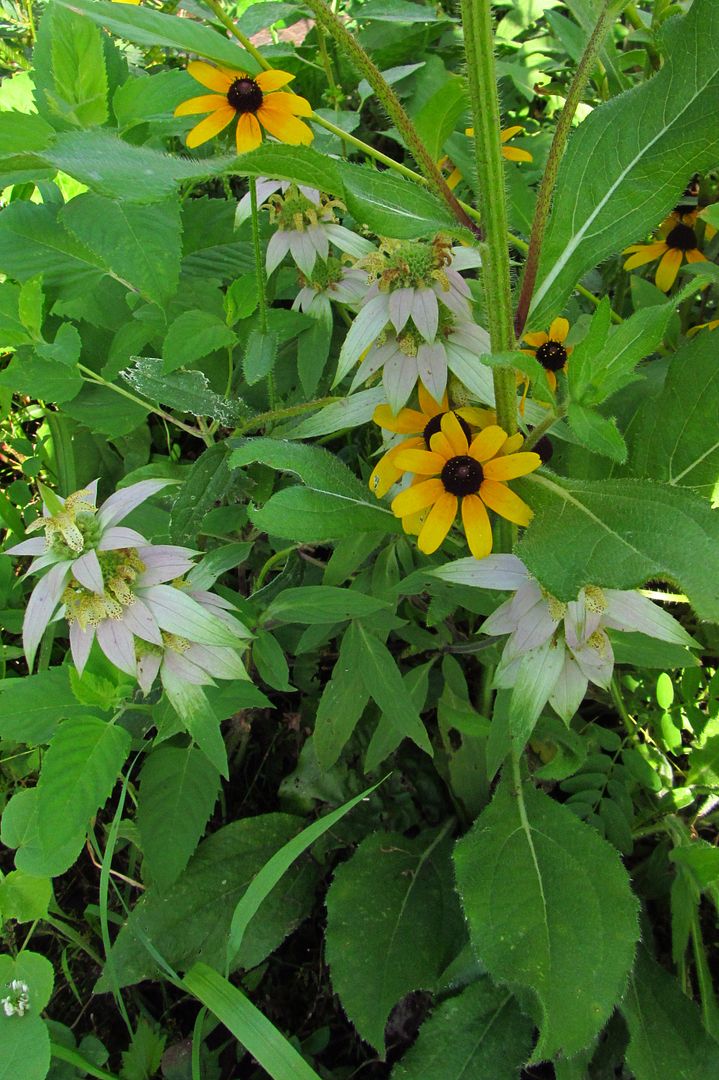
209	127
645	253
427	403
454	178
422	462
291	103
479	418
283	125
272	80
510	132
512	444
204	104
487	443
510	466
504	502
552	380
695	256
386	472
248	135
476	526
668	269
406	422
536	339
454	433
437	523
514	153
417	497
559	329
211	77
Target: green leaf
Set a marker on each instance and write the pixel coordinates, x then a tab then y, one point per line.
26	1048
393	925
535	882
271	662
32	242
199	720
139	245
260	355
348	413
192	336
178	789
318	604
438	116
250	1027
624	532
24	897
385	686
479	1033
78	774
186	391
145	26
704	764
196	922
598	433
627	163
104	412
343	701
142	1059
34	970
392	206
69	70
208	482
666	1036
640	650
299	163
20	830
32	707
675	439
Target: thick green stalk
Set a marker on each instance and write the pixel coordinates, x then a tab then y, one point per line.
482	80
362	62
544	197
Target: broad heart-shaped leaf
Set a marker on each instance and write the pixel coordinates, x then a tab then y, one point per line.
479	1033
25	1043
78	773
193	922
628	162
20	830
676	436
139	245
622	533
178	789
392	206
144	26
32	707
666	1035
550	910
393	924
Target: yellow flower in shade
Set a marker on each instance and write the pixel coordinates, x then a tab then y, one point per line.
253	99
126	1
551	352
511	153
421	424
679	241
703	326
475	472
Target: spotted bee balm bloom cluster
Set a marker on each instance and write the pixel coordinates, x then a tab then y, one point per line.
115	588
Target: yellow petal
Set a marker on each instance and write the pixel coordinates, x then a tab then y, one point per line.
417	497
272	80
479	418
559	329
645	253
386	473
510	466
513	153
283	125
248	135
509	132
535	340
291	103
513	443
668	269
504	502
441	445
454	178
211	77
427	403
203	104
423	462
469	132
209	127
488	443
476	526
406	422
552	380
438	523
453	431
695	256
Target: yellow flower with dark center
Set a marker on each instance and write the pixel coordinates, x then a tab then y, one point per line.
253	99
510	153
421	424
679	241
475	472
551	351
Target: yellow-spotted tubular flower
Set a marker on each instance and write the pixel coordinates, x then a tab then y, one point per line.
475	472
550	349
420	424
510	153
679	241
252	99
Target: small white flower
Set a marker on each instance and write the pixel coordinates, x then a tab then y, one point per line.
17	1001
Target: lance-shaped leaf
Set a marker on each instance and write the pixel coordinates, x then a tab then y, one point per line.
628	163
550	911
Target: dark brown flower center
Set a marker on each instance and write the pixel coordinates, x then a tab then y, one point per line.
435	425
682	238
245	95
552	355
462	475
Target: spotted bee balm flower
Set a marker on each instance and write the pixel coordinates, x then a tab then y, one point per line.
256	101
475	472
306	227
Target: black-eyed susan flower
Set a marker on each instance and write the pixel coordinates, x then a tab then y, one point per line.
455	469
420	424
510	153
253	99
679	241
551	350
